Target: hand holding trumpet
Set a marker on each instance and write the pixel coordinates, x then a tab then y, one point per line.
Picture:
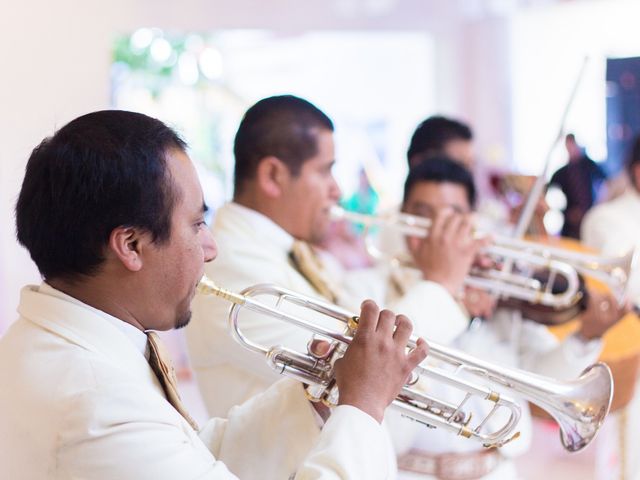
376	365
446	255
603	311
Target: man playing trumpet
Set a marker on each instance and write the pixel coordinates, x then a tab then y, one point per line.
284	191
505	337
111	211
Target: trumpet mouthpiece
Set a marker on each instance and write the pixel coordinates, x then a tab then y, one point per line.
336	212
206	286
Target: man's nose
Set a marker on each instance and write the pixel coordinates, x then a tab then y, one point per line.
209	246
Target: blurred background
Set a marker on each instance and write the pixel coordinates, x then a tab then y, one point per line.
376	67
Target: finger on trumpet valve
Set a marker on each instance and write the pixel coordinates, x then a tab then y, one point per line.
412	379
319	348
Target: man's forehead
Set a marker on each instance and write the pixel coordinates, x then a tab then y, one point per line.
428	188
436	195
185	178
320	161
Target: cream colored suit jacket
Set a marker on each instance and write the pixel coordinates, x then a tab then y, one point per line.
613	228
254	250
79	401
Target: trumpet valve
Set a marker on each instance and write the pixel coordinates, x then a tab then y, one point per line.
493	397
413	379
331	395
467	421
503	442
352	324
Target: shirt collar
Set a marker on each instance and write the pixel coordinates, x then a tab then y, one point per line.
137	337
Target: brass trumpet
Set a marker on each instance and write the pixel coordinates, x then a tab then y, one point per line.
579	406
560	262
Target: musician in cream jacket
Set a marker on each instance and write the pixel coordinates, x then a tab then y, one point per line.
283	192
93	408
505	338
613	229
111	211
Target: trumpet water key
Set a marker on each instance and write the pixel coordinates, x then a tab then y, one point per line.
579	406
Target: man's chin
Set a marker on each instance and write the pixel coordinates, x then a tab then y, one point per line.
183	321
319	234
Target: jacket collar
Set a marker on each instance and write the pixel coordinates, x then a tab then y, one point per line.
243	222
84	326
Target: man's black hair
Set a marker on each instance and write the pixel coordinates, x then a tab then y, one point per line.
441	169
100	171
431	136
285	127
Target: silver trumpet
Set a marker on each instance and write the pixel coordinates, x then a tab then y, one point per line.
559	262
579	406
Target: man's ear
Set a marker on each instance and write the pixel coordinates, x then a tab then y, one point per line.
126	244
272	175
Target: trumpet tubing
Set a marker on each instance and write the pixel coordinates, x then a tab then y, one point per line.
613	271
579	406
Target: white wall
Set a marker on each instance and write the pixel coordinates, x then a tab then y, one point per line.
53	68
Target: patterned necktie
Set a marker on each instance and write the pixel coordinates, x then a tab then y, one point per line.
306	262
160	362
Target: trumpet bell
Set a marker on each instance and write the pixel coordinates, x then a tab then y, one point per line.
580	406
619	272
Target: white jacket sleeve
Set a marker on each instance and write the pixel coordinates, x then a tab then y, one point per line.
270	437
543	354
539	351
352	446
435	314
275	435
